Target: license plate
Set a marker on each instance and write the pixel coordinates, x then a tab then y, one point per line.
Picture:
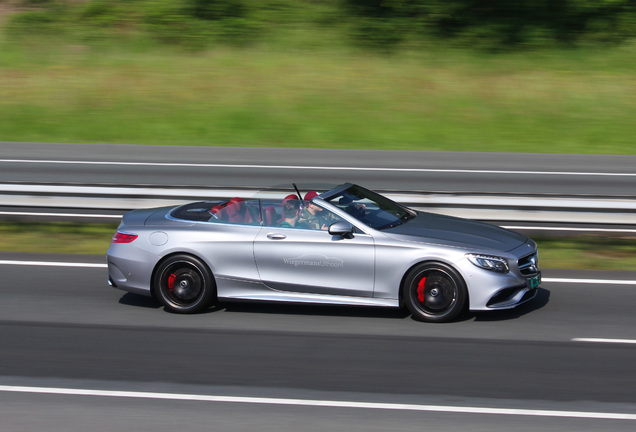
534	282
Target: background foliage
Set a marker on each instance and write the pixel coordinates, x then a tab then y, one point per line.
489	24
480	75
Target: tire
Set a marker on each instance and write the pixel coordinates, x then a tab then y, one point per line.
434	292
183	284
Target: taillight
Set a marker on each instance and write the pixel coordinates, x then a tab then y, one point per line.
121	237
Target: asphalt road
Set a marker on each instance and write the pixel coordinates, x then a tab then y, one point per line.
65	328
78	355
598	175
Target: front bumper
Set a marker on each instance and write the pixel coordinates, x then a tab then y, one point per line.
488	290
511	297
514	296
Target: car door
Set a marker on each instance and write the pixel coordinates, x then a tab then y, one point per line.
226	242
313	261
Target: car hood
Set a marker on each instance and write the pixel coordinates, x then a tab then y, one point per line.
452	231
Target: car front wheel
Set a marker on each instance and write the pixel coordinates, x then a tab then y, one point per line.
183	284
434	292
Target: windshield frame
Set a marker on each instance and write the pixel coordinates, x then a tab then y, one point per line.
400	213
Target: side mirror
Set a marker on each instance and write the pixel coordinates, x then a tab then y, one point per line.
342	228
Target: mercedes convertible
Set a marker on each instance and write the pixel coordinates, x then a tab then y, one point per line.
345	246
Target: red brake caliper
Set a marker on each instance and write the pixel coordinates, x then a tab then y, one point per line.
171	280
420	289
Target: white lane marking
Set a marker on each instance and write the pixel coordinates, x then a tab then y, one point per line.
79	215
321	403
609	230
314	167
590	281
52	264
601	340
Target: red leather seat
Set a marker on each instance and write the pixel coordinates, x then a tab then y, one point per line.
310	195
216	211
270	215
237	212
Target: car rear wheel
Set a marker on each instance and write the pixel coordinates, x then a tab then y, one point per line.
184	284
434	292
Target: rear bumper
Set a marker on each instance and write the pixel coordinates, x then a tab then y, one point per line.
130	269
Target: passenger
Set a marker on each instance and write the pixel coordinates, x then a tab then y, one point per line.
311	215
291	212
287	198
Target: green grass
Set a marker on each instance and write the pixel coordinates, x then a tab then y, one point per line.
56	237
554	101
585	252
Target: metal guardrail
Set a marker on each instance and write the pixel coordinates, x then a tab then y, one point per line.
509	207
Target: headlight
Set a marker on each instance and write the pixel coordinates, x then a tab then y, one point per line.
489	262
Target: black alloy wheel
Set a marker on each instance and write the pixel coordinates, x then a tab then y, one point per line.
434	292
184	284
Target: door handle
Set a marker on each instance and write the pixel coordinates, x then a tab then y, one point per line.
273	236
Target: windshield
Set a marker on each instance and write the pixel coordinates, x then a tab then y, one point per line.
369	207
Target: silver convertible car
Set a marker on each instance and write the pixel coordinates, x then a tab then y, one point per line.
347	246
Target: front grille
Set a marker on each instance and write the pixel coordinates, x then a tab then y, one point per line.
529	264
